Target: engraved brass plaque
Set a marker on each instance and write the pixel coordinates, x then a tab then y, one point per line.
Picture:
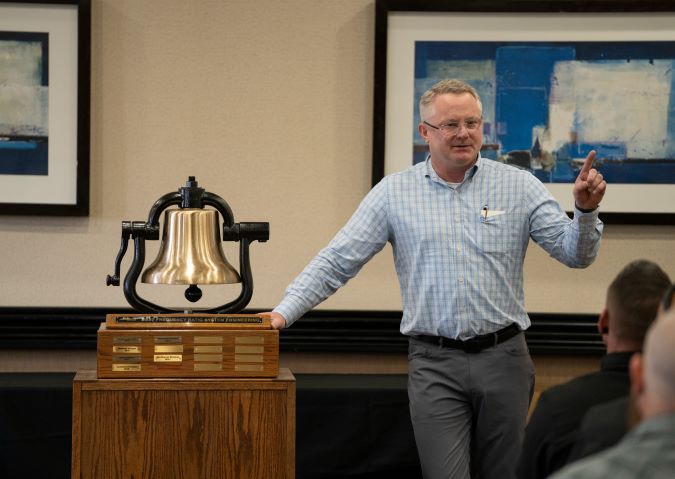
126	340
208	349
166	351
208	367
118	368
126	359
209	357
171	348
247	358
249	340
248	367
209	339
168	339
168	358
249	349
126	349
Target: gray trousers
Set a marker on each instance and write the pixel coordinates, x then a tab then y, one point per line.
469	410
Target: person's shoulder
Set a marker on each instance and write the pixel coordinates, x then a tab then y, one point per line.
573	387
506	171
565	396
602	426
408	175
570	400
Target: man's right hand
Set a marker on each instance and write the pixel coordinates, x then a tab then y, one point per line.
277	321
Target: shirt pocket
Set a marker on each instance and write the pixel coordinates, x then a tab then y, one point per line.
498	235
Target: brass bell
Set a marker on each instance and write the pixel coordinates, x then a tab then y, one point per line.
190	251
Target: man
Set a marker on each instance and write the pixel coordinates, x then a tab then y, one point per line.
648	451
631	305
604	425
459	226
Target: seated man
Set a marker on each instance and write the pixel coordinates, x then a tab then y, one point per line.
649	449
631	305
605	424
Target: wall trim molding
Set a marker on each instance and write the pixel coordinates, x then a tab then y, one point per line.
318	331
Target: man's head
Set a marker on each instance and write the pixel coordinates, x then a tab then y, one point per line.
452	125
632	303
653	372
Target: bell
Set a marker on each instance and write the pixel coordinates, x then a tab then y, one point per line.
190	252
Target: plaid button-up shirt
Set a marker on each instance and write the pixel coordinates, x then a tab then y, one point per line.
458	250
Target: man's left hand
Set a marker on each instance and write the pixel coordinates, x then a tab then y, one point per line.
589	187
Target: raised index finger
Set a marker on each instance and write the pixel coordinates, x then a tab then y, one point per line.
588	164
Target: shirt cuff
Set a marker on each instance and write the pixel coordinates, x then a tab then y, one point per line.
290	311
583	211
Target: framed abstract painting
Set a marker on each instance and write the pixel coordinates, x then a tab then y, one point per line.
44	107
556	80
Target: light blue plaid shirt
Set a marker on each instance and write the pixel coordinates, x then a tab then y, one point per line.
458	251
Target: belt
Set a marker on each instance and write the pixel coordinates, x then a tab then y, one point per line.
475	344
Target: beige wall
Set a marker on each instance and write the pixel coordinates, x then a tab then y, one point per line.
269	105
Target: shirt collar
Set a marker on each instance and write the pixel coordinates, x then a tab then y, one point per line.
616	361
429	171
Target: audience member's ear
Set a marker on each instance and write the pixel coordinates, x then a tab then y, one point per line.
637	384
603	325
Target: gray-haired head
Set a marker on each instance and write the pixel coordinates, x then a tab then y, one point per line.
452	86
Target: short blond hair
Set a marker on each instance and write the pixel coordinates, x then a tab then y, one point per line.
453	86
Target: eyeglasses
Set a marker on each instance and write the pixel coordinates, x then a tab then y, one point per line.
452	127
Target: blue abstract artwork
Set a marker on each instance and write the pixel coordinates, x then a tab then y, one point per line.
24	103
547	104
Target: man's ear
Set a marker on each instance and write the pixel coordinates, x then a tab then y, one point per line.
424	131
636	371
603	322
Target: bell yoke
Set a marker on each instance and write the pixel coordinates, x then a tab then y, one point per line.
190	252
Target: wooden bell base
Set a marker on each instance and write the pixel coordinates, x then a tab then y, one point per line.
187	346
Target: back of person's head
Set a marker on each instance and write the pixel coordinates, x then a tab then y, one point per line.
633	299
452	86
656	387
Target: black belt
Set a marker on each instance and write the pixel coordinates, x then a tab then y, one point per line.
475	344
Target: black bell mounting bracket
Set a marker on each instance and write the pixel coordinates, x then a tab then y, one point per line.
189	196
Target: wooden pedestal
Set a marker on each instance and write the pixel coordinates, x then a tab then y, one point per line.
183	428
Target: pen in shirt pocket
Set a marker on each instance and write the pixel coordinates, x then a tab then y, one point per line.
484	212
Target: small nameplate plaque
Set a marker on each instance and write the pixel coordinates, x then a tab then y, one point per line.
168	339
126	349
208	339
247	358
249	349
209	349
216	358
168	358
169	348
119	368
249	340
126	340
126	359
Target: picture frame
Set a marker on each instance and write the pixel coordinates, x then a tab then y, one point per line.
45	103
399	24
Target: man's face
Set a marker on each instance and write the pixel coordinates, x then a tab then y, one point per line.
452	152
